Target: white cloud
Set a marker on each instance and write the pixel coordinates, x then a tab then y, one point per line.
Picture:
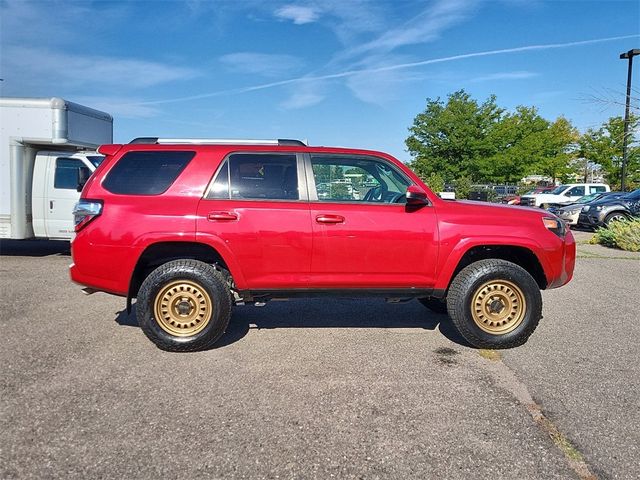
118	106
36	65
302	100
298	14
388	68
519	75
425	27
268	65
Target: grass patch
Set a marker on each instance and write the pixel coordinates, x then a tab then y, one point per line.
624	235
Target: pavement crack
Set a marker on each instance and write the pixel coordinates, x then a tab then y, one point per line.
507	379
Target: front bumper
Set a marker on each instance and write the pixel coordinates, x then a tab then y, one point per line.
567	262
569	218
590	219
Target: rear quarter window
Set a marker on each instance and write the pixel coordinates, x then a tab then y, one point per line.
146	173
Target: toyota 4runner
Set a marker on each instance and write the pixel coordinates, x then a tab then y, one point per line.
191	227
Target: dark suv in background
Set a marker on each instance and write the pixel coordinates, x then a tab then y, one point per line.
605	211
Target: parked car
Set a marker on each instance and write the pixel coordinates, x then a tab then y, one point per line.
515	199
607	210
191	227
569	213
563	194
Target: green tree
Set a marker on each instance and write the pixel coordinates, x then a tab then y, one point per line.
449	138
559	148
464	138
517	141
604	147
463	187
435	182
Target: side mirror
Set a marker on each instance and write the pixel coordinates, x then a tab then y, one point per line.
83	175
568	194
416	196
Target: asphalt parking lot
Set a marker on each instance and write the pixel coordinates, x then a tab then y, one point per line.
317	388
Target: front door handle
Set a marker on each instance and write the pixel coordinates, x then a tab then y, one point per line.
222	216
326	218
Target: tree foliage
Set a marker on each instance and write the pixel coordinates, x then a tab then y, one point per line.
464	138
603	146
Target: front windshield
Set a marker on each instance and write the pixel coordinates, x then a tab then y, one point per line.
588	198
558	190
635	195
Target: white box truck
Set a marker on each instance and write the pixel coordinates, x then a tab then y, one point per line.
45	146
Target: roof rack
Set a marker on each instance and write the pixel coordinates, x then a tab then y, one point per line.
217	141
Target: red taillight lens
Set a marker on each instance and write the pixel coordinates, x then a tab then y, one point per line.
85	211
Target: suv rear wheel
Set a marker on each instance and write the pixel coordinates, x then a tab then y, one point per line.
494	304
184	306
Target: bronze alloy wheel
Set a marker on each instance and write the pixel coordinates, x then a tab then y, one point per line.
183	308
498	307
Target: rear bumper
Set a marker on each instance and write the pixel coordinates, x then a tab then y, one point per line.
100	267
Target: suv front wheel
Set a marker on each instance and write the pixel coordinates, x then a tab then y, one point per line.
184	306
494	304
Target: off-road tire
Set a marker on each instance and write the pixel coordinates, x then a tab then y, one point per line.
464	287
436	305
206	277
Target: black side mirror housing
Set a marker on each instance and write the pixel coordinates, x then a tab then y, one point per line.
416	196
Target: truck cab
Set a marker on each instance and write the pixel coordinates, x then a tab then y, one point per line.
563	194
55	190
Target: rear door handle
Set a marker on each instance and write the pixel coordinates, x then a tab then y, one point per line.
222	216
326	218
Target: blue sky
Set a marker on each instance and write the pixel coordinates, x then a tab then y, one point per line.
350	73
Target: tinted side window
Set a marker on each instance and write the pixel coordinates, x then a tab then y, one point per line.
220	186
66	175
357	179
575	191
255	176
146	173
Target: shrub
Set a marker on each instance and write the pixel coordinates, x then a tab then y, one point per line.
435	182
624	235
463	187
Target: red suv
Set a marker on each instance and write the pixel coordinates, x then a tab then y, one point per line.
191	227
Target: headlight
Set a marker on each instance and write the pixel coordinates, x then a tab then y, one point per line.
555	225
599	207
575	211
586	209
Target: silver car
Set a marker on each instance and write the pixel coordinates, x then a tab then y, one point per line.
569	214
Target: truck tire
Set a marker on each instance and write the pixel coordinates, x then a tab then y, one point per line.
436	305
184	306
494	304
614	217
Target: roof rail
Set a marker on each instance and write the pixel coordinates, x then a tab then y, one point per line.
216	141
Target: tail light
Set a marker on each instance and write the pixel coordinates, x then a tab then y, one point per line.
85	211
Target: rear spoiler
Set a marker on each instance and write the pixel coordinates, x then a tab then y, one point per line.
110	149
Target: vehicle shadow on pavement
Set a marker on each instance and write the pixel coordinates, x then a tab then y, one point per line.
34	248
327	313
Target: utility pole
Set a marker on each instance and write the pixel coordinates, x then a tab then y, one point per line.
623	56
